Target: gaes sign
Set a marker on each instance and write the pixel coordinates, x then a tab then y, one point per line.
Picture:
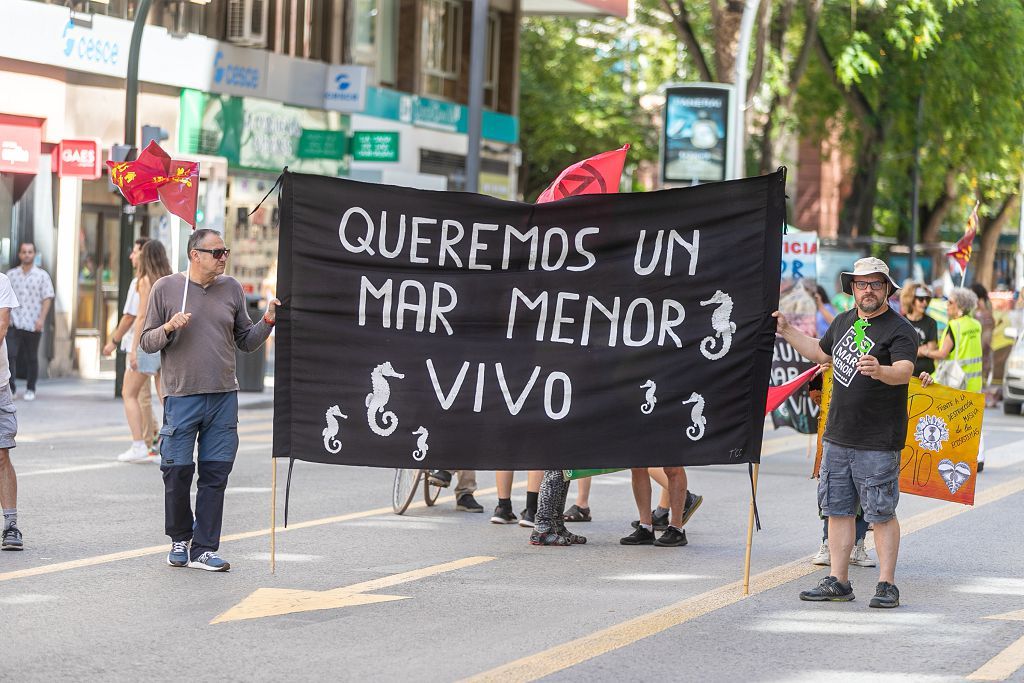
78	159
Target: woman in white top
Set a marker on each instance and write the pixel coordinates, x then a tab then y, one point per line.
153	265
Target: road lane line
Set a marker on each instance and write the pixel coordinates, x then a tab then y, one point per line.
75	468
245	535
1003	665
567	655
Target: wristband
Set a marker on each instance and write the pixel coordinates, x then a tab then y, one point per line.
268	320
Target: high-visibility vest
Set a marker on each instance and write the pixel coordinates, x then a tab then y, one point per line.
967	352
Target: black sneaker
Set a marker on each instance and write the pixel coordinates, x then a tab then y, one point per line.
467	503
12	539
503	515
693	502
639	537
886	595
527	518
672	538
660	522
829	589
442	478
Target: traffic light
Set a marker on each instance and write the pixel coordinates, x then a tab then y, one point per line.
117	153
153	134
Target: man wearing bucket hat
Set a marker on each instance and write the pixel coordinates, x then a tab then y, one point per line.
872	350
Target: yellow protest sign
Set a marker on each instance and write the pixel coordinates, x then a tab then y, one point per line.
940	458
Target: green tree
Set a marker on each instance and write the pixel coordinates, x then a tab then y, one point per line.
580	90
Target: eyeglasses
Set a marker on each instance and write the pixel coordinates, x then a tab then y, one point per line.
216	253
874	284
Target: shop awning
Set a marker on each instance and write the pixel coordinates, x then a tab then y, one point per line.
580	8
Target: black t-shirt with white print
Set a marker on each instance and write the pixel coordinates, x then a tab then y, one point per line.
864	412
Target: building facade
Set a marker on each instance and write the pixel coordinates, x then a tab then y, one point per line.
374	90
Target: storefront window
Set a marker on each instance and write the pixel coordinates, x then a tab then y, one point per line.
442	53
98	263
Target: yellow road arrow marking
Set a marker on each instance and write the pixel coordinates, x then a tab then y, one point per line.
272	602
1007	662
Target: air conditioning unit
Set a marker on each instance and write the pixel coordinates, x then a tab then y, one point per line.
247	22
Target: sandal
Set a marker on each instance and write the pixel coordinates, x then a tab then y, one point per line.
577	514
548	538
574	539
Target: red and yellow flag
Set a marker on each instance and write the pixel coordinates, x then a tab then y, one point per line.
155	176
961	252
597	175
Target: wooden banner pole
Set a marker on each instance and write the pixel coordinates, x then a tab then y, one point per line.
750	532
273	516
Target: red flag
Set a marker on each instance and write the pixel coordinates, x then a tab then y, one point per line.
961	253
154	175
597	175
777	395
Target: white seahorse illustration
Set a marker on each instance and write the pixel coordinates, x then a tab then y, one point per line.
724	327
421	444
649	399
379	397
696	430
330	433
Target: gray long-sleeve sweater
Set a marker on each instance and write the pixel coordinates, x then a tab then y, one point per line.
200	357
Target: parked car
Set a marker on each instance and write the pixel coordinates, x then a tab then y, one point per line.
1013	379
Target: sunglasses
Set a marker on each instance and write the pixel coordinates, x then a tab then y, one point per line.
926	299
874	284
216	253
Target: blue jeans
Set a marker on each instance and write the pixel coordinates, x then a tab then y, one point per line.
862	527
213	419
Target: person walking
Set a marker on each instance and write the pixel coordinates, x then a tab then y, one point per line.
872	350
196	340
675	485
121	338
34	291
10	537
141	366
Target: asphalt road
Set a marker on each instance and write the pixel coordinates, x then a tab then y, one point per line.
445	595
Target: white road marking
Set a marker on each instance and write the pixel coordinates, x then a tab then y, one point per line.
833	676
77	468
26	599
281	557
658	577
247	489
993	585
1007	455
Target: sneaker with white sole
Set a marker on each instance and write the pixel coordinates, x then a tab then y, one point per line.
860	556
30	395
210	562
822	559
178	557
134	454
11	539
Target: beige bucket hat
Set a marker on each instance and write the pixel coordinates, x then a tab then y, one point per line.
867	266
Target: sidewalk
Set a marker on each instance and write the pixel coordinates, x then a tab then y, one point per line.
69	403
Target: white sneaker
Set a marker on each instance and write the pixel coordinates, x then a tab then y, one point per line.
822	559
30	395
860	556
133	455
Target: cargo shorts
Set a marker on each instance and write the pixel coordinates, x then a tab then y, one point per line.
8	418
849	475
212	419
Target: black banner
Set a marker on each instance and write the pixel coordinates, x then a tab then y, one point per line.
798	411
452	330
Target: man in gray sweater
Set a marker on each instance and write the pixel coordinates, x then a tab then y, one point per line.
197	357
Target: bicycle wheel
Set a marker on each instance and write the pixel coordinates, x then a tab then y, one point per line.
430	491
404	489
